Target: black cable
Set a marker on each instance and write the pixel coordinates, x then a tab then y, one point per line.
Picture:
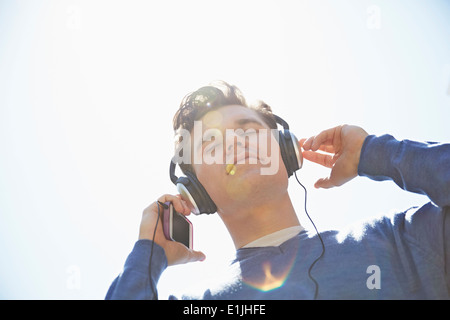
155	292
321	241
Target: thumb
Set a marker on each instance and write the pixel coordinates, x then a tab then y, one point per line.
192	256
184	255
196	256
324	183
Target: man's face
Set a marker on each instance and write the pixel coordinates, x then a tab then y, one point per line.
236	157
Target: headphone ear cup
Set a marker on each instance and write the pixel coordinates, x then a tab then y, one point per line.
290	153
190	188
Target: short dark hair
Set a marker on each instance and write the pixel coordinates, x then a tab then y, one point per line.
213	96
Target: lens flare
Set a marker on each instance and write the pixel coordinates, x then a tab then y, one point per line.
269	279
231	169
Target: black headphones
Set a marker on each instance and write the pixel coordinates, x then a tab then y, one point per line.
191	189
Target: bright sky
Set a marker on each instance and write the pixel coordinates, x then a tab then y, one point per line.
88	90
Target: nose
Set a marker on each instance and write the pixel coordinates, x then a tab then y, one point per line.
234	146
231	145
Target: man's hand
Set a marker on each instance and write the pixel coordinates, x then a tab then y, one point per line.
176	252
341	148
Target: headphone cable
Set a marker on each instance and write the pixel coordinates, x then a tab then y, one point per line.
316	291
155	292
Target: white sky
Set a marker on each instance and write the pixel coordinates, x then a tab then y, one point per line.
88	90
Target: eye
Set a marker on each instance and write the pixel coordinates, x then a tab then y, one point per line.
211	146
241	132
253	128
249	132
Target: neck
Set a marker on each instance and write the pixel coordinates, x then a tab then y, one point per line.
250	222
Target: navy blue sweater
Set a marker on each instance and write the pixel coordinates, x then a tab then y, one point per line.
402	256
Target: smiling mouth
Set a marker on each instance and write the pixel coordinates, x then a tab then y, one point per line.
241	159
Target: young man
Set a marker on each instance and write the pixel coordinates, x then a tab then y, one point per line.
403	256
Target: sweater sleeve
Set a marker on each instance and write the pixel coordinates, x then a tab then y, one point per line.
134	281
414	166
422	168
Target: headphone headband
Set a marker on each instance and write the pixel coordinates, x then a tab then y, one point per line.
281	121
173	177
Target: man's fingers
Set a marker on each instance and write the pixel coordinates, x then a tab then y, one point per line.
324	147
342	146
324	138
324	183
306	143
325	160
301	142
313	143
327	148
179	204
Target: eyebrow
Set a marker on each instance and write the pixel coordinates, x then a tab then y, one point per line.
239	122
245	121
